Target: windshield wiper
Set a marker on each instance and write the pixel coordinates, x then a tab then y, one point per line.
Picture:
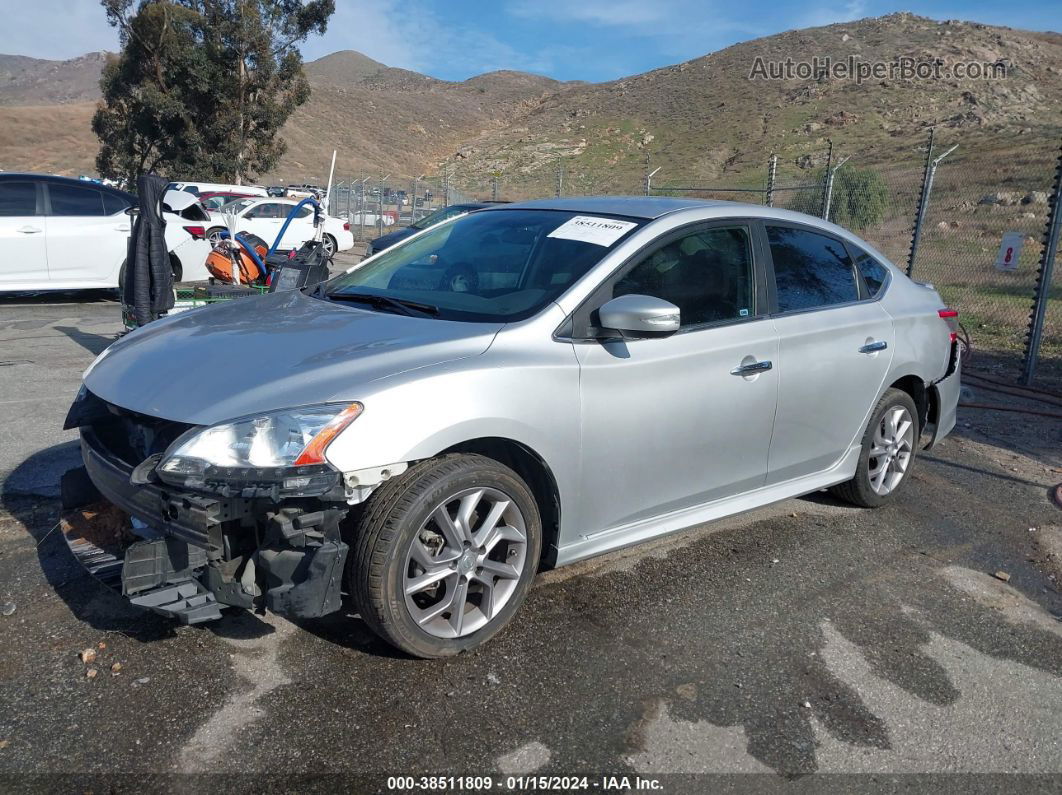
405	307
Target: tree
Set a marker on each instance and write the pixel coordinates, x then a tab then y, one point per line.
860	197
202	88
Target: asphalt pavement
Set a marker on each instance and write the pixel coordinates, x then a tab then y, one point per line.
806	644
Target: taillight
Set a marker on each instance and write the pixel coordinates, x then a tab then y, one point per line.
952	318
346	227
197	232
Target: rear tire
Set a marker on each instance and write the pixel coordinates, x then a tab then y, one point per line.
330	246
425	541
887	453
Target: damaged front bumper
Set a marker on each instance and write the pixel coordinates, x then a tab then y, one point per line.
186	554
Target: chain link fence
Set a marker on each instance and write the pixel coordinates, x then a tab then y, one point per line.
935	207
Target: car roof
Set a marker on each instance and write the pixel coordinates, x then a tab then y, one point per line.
23	175
647	207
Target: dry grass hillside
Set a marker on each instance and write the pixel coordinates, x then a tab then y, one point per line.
702	121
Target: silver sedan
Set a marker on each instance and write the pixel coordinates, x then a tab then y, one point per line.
525	385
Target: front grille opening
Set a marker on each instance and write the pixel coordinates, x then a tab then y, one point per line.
131	437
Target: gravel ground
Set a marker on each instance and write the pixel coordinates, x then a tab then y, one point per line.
806	641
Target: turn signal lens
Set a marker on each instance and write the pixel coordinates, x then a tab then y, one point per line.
313	453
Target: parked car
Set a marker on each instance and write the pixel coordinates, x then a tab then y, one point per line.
530	383
440	215
58	233
277	191
265	218
197	188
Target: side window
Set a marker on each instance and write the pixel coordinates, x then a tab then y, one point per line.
873	272
810	269
707	274
303	212
75	200
113	204
18	198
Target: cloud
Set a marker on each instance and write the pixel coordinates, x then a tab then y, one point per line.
56	29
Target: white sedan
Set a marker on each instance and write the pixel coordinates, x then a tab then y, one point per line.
58	233
265	218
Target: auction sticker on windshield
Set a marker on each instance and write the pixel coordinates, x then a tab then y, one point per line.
589	229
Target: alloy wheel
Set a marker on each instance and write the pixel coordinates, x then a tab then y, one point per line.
465	562
891	450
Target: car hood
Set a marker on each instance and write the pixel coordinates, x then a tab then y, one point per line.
276	351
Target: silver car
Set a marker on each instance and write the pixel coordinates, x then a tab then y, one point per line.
526	385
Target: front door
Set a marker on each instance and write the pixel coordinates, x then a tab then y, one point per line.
835	348
670	423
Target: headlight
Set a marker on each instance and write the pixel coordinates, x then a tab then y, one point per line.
282	449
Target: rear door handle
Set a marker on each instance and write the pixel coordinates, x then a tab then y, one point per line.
749	369
874	347
30	230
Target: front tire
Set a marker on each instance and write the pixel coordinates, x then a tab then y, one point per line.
887	454
444	554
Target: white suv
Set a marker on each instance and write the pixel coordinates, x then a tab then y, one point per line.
58	233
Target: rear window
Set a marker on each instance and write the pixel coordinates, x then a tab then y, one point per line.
74	200
18	198
811	270
873	272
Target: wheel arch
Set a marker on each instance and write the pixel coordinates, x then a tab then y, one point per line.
917	389
534	471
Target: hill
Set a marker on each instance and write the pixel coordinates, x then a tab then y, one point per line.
702	120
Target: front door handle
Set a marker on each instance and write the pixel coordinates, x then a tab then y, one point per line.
750	369
874	347
30	230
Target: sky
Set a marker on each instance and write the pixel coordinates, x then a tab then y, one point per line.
592	40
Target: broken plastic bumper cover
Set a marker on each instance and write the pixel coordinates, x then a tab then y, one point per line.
186	554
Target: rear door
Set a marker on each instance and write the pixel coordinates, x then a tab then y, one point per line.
23	251
835	347
300	229
86	242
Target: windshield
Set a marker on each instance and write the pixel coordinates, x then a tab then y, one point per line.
498	265
438	216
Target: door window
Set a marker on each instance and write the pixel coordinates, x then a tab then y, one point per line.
114	204
811	270
706	274
74	200
18	198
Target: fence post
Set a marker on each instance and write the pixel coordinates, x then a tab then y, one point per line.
1043	280
446	186
560	180
923	201
827	183
772	171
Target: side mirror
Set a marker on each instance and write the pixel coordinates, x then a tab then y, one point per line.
635	316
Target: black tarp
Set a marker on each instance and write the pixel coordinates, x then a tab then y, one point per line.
148	289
